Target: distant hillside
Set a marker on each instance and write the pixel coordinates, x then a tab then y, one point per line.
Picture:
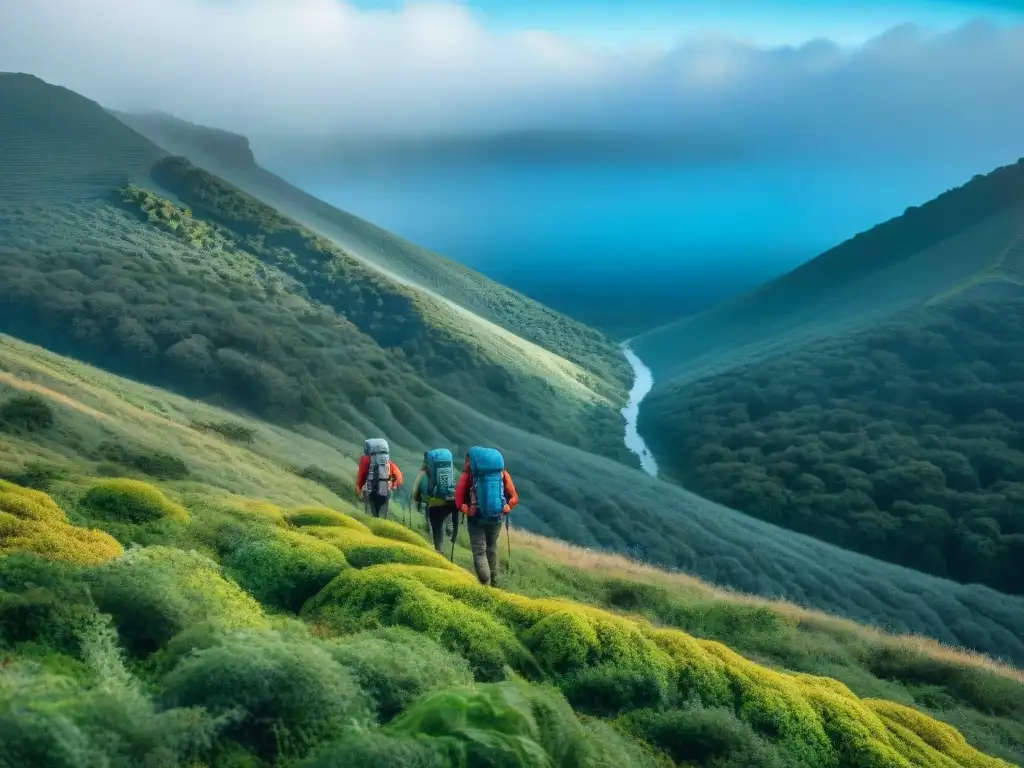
872	398
119	254
228	156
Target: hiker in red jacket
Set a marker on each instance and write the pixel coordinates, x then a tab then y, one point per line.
485	494
377	477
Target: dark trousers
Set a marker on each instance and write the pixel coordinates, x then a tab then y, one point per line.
435	519
483	540
377	506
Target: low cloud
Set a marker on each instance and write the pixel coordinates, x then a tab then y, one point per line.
321	67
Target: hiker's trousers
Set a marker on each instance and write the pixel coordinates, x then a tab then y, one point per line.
483	540
436	517
377	506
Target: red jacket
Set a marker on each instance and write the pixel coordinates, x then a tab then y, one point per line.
466	481
364	470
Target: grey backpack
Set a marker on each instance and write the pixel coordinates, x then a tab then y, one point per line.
379	476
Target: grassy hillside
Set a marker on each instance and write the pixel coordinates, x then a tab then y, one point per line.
221	610
233	300
182	279
229	157
894	434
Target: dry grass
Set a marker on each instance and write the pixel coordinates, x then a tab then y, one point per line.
618	566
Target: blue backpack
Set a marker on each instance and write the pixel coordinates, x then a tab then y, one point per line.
440	474
486	466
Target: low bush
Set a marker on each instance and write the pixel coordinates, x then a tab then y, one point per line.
59	722
699	736
35	475
607	690
365	550
229	429
360	599
131	501
163	466
396	666
338	485
30	521
153	593
283	569
388	529
284	696
25	413
44	602
324	517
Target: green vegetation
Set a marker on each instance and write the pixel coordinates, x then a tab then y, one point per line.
903	442
25	413
159	653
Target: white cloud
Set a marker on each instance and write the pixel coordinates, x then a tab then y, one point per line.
322	65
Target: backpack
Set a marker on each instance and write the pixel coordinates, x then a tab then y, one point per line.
440	474
378	478
486	467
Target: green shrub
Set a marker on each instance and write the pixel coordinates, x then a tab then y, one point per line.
283	569
324	517
287	696
605	746
131	501
30	521
48	720
36	475
25	413
388	529
164	466
396	666
609	689
704	737
373	597
228	429
44	602
373	748
156	592
365	550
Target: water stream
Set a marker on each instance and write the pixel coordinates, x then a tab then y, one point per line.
643	380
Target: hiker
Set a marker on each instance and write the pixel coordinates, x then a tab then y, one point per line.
485	494
377	477
435	486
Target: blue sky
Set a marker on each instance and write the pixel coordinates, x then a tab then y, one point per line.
772	22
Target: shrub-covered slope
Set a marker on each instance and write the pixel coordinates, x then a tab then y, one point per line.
186	651
108	426
902	440
226	298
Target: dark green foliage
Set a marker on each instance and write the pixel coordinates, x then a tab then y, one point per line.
228	429
609	689
130	501
903	443
164	466
285	696
396	666
25	413
705	737
35	475
283	569
44	602
47	719
155	593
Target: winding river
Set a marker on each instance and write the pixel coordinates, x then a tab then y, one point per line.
643	380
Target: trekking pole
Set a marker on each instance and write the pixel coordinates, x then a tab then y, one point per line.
508	541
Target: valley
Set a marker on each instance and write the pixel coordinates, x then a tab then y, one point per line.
192	352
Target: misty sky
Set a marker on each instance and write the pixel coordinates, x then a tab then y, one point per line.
772	75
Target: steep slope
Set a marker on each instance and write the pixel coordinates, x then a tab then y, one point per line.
220	337
216	588
229	156
897	265
233	302
872	398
